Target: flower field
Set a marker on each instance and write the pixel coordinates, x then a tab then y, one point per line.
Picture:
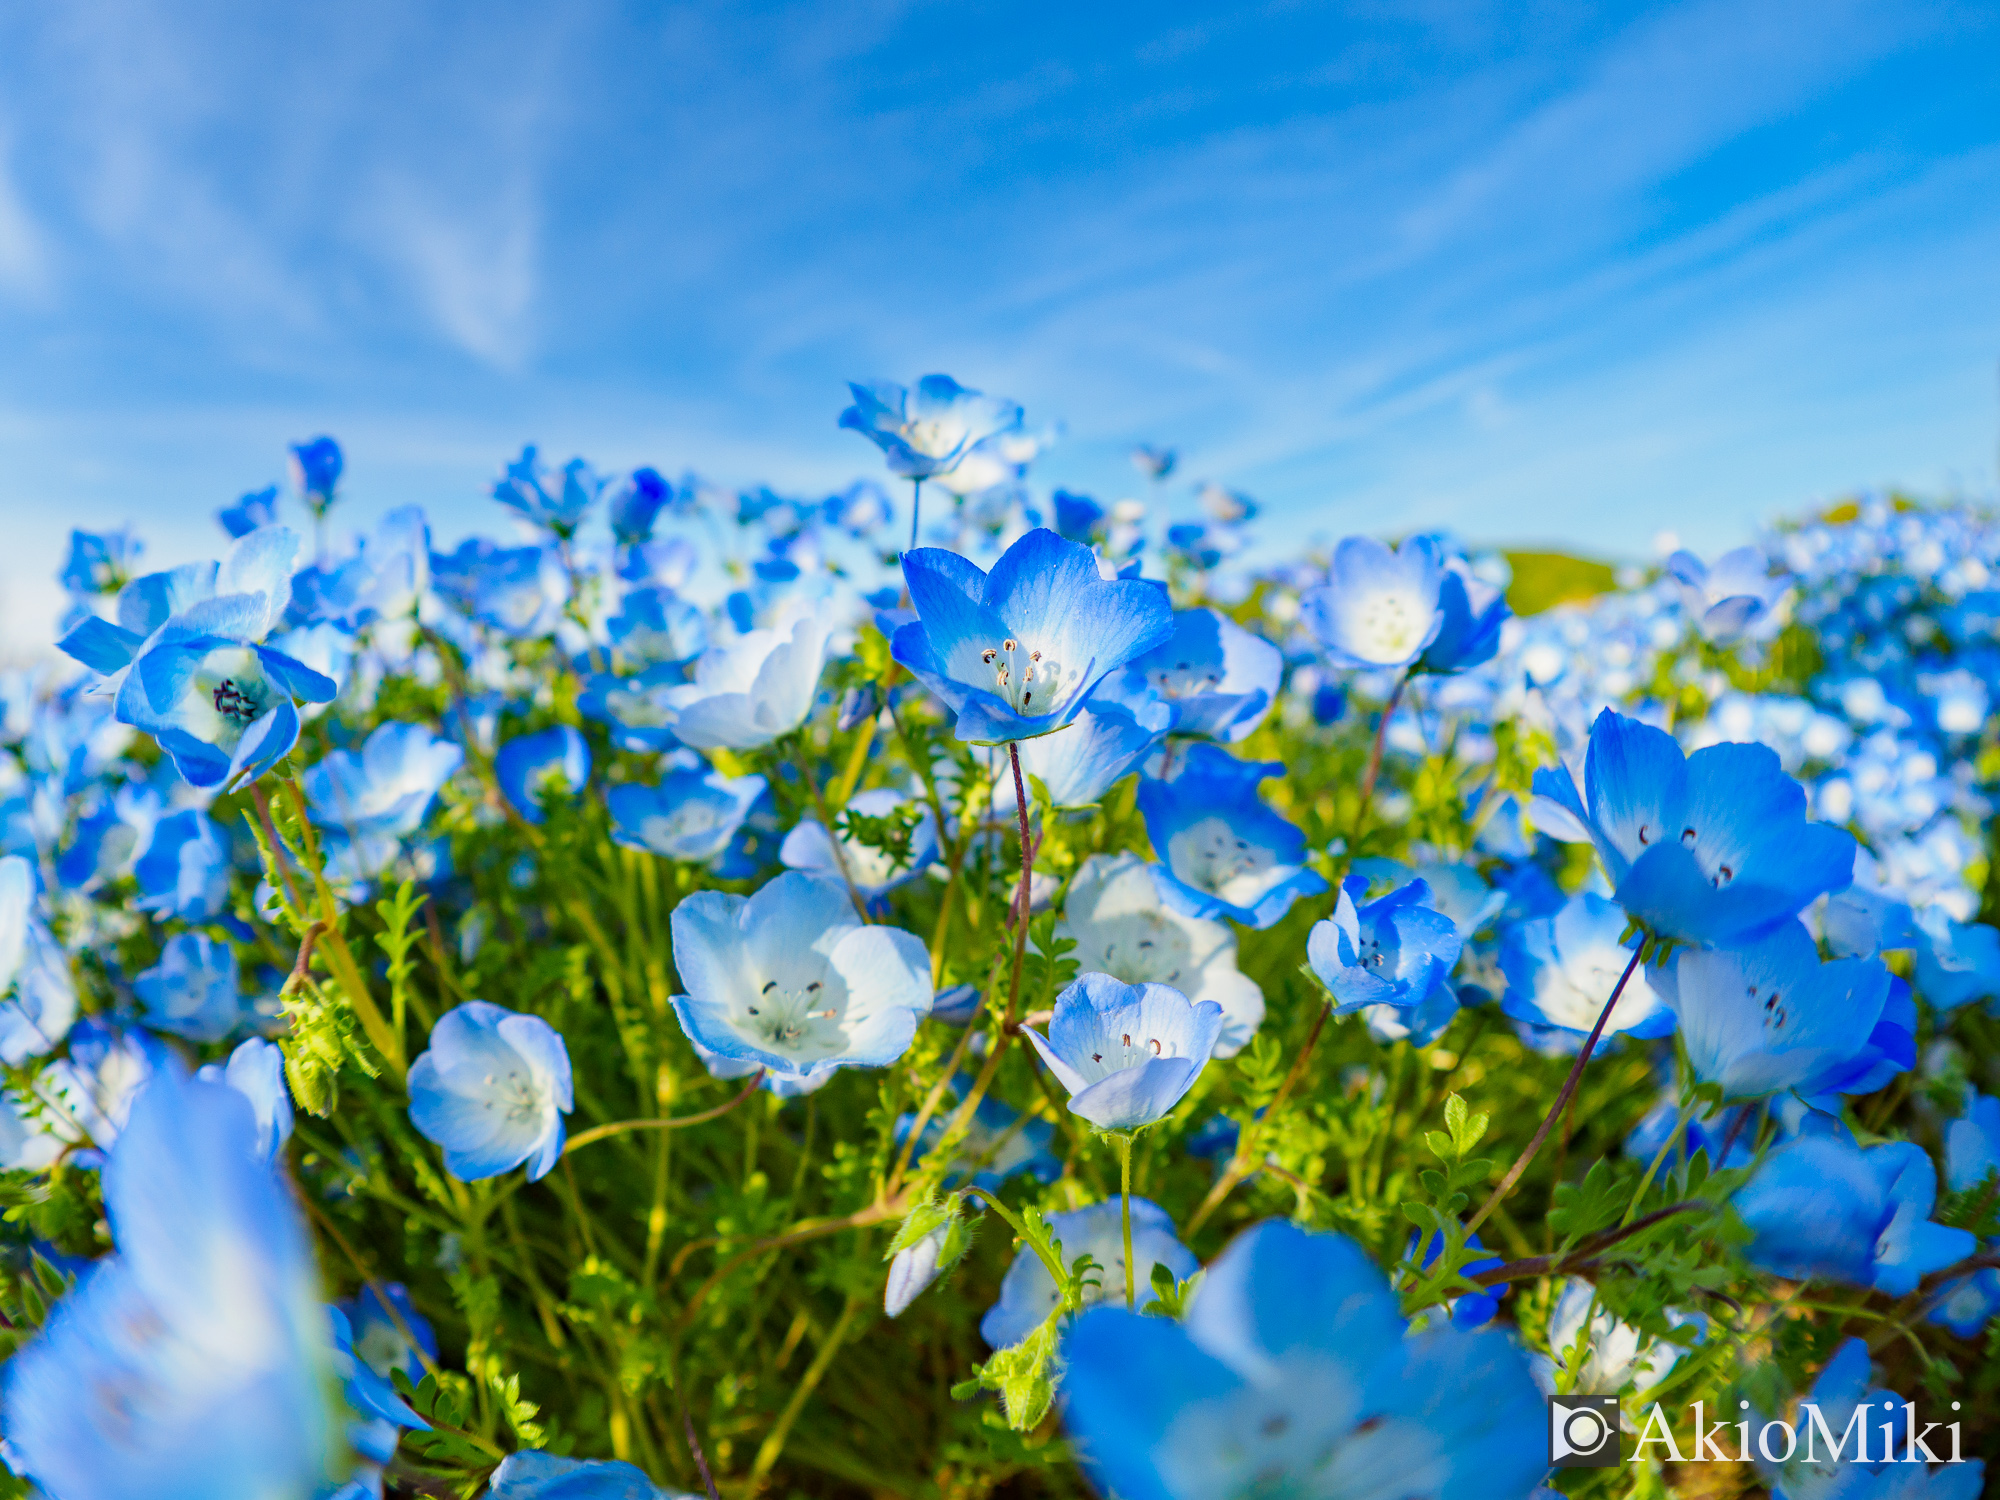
699	996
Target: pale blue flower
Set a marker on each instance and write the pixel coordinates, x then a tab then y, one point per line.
636	504
1729	598
1127	1053
1562	968
534	767
1028	1294
554	501
492	1089
1114	914
373	799
1293	1375
1771	1017
256	1070
692	814
519	591
1220	679
926	430
1155	462
534	1475
257	509
37	992
657	625
193	1363
317	465
1823	1208
1109	738
100	562
998	1144
382	1341
1393	951
1377	608
1222	852
1015	652
635	707
789	980
752	690
192	991
1712	847
1471	613
875	872
1957	962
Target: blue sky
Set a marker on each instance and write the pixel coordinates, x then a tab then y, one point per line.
1536	272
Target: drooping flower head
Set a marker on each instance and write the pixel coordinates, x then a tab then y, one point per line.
1377	608
926	430
1127	1053
492	1089
791	981
1712	847
1470	614
1015	652
317	465
1222	852
1292	1375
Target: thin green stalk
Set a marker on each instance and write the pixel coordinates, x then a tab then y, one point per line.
1658	1156
1125	1201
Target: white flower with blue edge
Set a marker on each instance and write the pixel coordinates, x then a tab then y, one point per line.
1110	737
1220	679
192	991
1222	852
373	799
1731	596
1562	968
1028	1294
1377	608
1127	1053
752	690
492	1089
692	814
926	430
791	981
37	993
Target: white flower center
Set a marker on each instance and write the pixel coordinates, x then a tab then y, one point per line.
1186	680
1029	684
1211	856
1392	625
803	1023
517	1094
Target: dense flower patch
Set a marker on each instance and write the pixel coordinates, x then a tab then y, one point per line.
698	996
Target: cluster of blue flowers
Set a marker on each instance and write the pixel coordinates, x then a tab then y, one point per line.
1073	886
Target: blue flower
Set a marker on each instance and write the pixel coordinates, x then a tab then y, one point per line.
256	1070
635	707
1730	598
1222	852
382	1332
555	503
192	1362
1079	518
927	430
1957	962
636	504
1292	1375
492	1090
1219	677
860	510
516	590
1114	914
373	800
192	990
874	871
316	466
100	562
1471	612
1393	951
1015	652
1028	1293
37	994
751	691
657	625
1155	463
533	767
1469	1309
789	980
534	1475
691	815
1712	847
257	509
1127	1053
1562	968
1972	1143
377	1409
184	871
1822	1207
1109	738
1377	608
998	1143
1770	1017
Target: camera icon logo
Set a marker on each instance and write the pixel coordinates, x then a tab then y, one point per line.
1583	1432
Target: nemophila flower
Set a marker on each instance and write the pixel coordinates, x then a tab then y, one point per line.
554	501
88	1095
1392	951
860	510
636	504
752	690
1593	1353
1867	917
256	1070
372	799
1468	1309
1078	518
531	768
657	625
1156	463
1957	962
37	992
692	814
1222	852
1563	967
1219	677
1121	927
534	1475
492	1089
1821	1207
1771	1017
192	991
1377	608
1471	612
1127	1053
1292	1375
100	562
1109	738
1972	1143
1015	652
1733	1126
184	871
999	1143
635	707
1729	598
1028	1294
789	980
1712	847
382	1331
927	429
519	591
256	509
317	465
875	869
192	1362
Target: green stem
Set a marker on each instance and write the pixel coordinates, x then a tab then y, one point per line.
1125	1196
1658	1157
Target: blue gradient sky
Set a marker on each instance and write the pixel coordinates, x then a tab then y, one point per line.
1534	272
